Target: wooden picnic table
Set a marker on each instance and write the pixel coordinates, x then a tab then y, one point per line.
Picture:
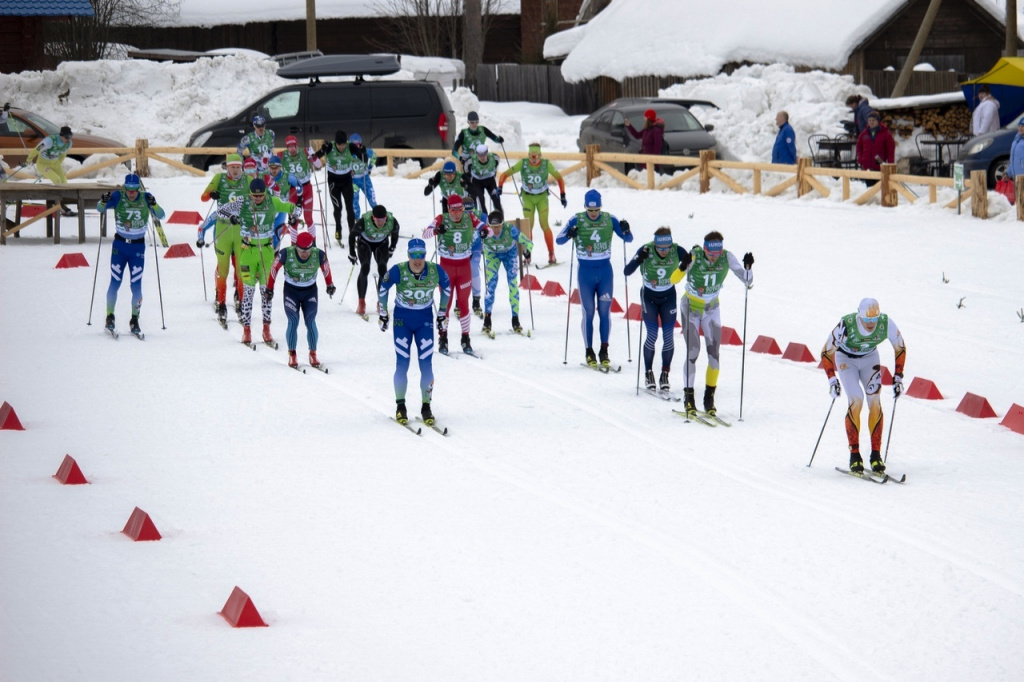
83	195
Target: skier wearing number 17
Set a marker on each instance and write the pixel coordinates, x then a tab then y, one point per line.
592	232
657	261
852	352
414	282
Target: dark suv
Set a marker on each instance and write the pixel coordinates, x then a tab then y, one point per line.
393	114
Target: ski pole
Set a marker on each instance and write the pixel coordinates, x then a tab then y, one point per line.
159	286
347	282
831	405
529	295
96	270
323	215
743	354
888	438
640	336
629	339
568	306
202	261
512	175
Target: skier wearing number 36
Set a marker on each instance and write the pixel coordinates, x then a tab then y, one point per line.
852	352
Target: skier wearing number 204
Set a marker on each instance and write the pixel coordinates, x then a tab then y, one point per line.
852	351
414	282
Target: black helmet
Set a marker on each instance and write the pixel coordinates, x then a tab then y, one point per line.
380	212
257	186
340	137
496	217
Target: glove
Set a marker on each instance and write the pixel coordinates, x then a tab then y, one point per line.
834	389
499	190
442	323
642	255
292	180
484	233
685	261
150	199
269	294
571	232
325	148
428	190
897	385
234	220
293	221
496	192
298	192
391	252
246	241
624	226
200	242
105	198
309	151
215	195
561	197
499	139
748	260
331	289
382	322
526	256
352	258
440	229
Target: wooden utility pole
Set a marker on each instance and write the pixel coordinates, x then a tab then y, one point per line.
1011	28
310	25
472	40
915	49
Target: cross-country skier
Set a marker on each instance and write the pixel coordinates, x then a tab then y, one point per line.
300	265
128	253
456	231
227	243
470	138
48	156
364	159
482	171
375	233
258	144
852	351
657	260
533	178
448	180
298	167
339	158
500	243
592	230
414	282
710	265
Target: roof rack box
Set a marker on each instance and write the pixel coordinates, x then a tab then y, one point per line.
341	65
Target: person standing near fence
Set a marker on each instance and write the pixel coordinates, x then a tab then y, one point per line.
860	108
875	146
651	136
784	150
534	173
986	115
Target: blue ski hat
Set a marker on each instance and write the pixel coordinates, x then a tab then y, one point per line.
417	248
592	199
132	182
448	167
258	120
275	160
355	138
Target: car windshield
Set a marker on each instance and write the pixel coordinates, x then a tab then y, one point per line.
679	121
40	122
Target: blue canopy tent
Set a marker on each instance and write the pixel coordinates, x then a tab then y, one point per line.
1006	81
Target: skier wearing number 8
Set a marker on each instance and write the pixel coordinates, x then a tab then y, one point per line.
414	282
657	261
592	231
705	277
852	349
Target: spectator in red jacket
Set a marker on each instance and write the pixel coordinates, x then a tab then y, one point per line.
652	135
875	146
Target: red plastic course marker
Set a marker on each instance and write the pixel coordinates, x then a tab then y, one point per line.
140	527
765	344
240	611
9	419
69	473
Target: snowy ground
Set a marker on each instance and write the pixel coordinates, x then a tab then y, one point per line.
567	528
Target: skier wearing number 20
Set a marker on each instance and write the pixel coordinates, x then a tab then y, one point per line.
852	349
414	282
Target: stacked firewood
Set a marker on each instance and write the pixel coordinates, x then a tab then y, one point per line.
944	120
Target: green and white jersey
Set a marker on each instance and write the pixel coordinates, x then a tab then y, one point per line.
257	220
450	188
52	148
416	293
704	279
457	241
594	237
361	167
374	234
228	189
657	271
534	179
131	218
339	161
298	165
510	236
470	140
853	341
261	147
298	272
482	169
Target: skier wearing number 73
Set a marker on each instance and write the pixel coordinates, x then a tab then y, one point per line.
852	352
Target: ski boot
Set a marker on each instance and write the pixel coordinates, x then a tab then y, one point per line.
877	465
602	355
292	360
313	360
487	323
476	306
591	358
246	335
110	322
427	415
401	414
649	380
442	343
222	314
856	463
709	400
267	336
133	325
361	307
663	385
551	258
689	405
337	235
516	327
66	211
467	348
238	306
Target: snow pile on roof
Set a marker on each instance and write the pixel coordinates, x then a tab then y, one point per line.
206	13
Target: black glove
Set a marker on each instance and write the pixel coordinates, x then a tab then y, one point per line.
391	252
382	322
642	255
331	289
834	389
526	256
352	257
561	197
496	192
234	220
624	226
442	323
7	106
215	195
150	199
685	261
897	385
499	139
484	233
748	260
325	148
440	229
571	232
200	243
293	221
269	294
428	190
105	198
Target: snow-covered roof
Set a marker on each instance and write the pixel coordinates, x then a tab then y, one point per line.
695	37
206	13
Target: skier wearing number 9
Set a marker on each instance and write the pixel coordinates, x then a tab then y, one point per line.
414	282
852	349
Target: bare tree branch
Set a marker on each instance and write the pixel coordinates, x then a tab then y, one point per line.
89	38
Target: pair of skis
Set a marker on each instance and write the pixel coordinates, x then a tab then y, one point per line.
704	418
873	476
489	333
116	334
603	369
443	430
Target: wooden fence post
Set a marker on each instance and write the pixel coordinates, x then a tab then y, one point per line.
141	158
592	170
979	194
802	186
706	157
890	197
1018	191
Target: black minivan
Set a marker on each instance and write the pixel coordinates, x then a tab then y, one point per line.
385	113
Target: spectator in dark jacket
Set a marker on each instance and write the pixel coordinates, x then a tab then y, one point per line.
875	146
1016	165
861	108
784	150
652	136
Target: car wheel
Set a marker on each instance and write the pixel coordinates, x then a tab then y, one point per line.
997	171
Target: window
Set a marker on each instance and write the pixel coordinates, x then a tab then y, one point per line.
679	121
338	104
282	105
401	102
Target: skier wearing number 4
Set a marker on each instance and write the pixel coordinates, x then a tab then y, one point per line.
300	291
705	277
414	282
657	261
500	240
852	351
128	254
592	232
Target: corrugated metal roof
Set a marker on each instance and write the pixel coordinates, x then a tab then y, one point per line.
46	8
